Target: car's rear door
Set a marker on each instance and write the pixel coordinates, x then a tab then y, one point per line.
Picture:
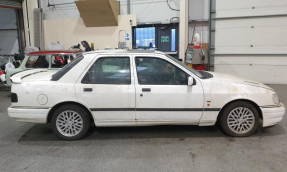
162	93
107	88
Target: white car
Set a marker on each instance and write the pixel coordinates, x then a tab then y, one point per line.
140	88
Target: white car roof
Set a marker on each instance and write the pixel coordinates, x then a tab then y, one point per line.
132	51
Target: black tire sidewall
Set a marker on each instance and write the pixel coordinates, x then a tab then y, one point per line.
81	112
228	109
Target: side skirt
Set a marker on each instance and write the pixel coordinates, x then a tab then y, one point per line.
140	123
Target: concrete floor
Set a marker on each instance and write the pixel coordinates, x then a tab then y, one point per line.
29	147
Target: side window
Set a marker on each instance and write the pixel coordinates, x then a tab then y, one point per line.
59	61
155	71
38	61
109	70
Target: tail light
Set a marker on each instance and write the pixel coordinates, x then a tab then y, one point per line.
14	98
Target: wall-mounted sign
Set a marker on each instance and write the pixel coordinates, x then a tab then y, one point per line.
165	39
127	36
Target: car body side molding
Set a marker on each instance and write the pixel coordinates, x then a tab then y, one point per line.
155	109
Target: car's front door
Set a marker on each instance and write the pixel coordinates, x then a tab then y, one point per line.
107	88
162	93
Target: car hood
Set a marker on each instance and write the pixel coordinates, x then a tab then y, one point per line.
33	75
222	77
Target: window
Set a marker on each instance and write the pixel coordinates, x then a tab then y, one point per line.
38	61
59	60
173	37
66	69
195	72
109	70
145	37
155	71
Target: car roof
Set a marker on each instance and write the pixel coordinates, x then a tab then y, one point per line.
55	52
121	51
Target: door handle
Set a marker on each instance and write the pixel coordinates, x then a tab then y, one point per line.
88	89
146	90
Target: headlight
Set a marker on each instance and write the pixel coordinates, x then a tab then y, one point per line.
275	99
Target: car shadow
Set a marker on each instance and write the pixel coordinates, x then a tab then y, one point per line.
42	135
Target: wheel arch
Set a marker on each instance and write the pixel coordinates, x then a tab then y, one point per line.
242	100
51	112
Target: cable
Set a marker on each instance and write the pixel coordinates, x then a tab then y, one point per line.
145	8
171	7
174	18
49	5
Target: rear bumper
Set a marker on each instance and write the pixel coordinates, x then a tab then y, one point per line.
29	115
272	115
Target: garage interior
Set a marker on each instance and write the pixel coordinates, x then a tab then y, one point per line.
246	38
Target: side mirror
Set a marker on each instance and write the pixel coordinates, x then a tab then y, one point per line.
190	81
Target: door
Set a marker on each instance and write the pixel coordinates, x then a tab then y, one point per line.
8	32
244	29
162	93
107	88
167	39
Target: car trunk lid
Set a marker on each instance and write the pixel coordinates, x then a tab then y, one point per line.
33	75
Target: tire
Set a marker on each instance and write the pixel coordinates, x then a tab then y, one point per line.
239	119
70	122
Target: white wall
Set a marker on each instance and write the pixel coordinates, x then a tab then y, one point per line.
8	38
59	12
198	9
70	32
151	11
146	10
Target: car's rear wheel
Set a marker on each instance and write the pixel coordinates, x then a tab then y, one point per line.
239	119
70	122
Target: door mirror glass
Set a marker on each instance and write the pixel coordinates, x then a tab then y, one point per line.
190	81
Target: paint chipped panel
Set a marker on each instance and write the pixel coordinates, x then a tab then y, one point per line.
219	93
28	93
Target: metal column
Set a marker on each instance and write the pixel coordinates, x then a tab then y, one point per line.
212	8
129	6
19	34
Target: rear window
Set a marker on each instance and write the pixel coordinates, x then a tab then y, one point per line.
37	61
66	69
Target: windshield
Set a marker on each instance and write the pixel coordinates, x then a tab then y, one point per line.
195	72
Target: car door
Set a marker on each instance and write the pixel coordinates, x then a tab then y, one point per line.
162	93
107	88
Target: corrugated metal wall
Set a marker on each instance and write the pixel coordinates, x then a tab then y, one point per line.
250	39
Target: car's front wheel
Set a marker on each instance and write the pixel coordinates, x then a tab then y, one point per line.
70	122
239	119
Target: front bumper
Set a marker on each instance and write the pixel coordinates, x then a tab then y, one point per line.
34	115
272	115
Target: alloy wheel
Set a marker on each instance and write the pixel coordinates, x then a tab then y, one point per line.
69	123
241	120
